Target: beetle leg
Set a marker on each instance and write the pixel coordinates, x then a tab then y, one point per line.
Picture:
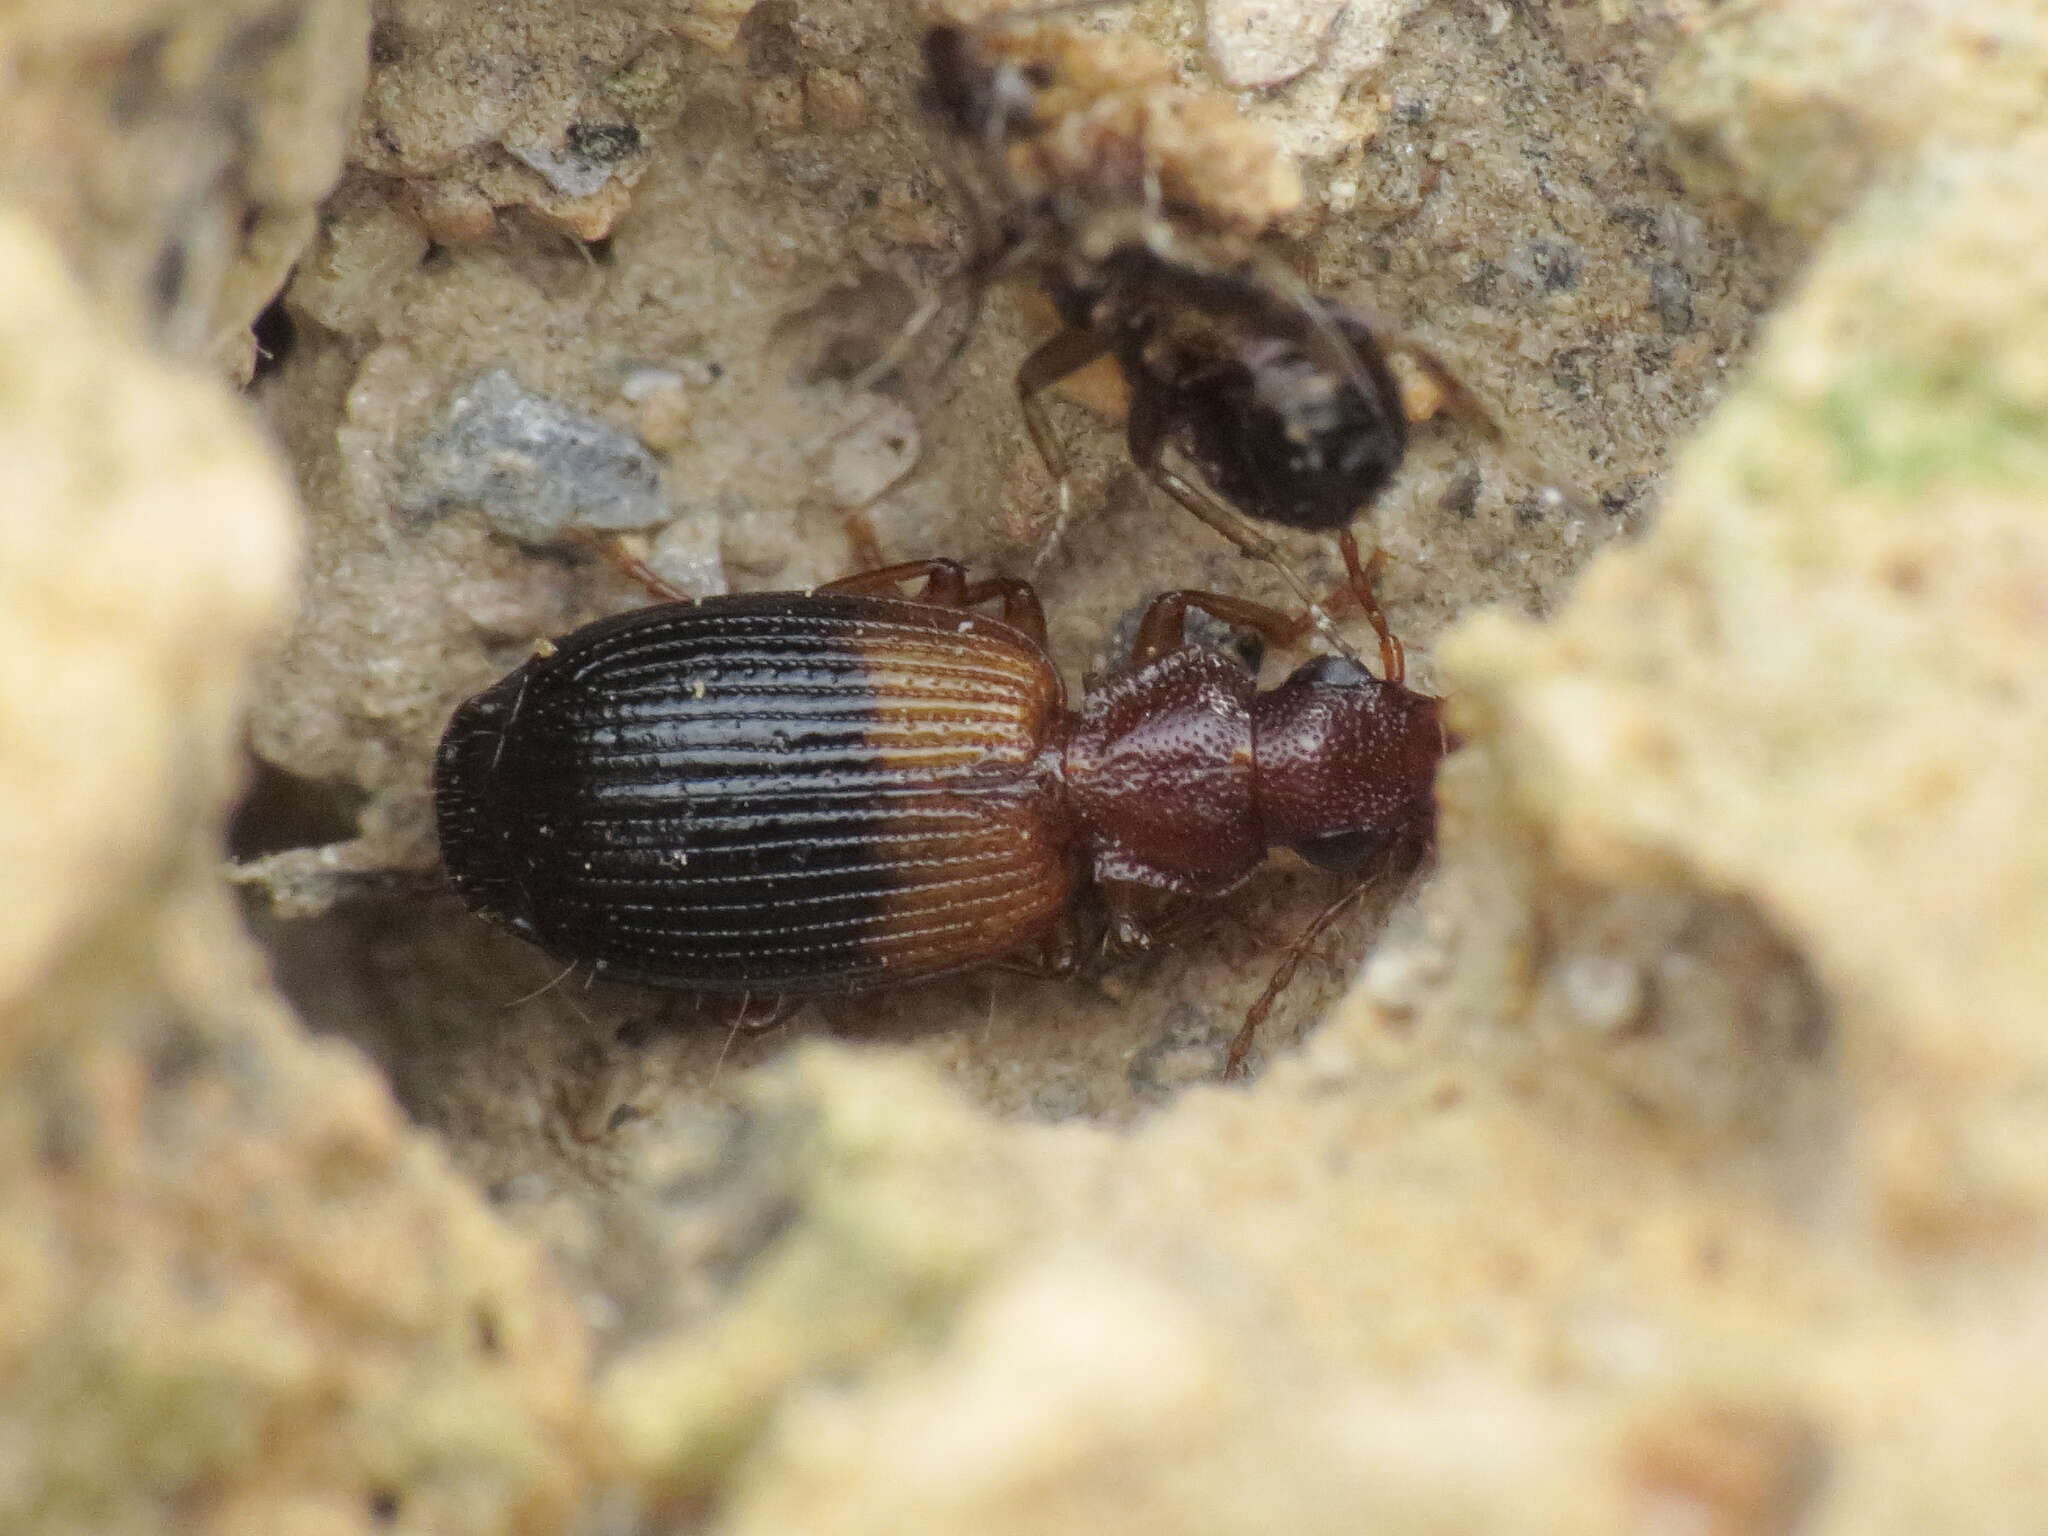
646	575
866	543
615	550
724	1010
946	586
1143	902
1142	917
1163	625
768	1011
1162	628
1021	608
945	581
1136	912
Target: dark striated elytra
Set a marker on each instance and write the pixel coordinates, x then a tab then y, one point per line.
774	793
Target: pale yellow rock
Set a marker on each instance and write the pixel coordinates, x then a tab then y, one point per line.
1797	103
145	549
1081	1394
237	1292
1820	683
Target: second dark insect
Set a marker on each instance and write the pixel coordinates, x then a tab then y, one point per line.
1083	173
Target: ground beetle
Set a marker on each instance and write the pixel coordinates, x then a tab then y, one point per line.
832	791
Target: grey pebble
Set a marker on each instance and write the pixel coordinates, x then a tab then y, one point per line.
534	466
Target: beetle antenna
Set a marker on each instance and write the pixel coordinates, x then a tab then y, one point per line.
1283	978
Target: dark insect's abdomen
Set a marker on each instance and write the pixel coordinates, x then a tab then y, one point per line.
781	793
1292	435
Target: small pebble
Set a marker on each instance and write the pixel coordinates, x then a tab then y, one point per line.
779	105
1671	298
662	418
1397	978
534	466
589	155
454	212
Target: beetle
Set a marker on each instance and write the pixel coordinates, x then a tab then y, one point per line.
832	791
1131	201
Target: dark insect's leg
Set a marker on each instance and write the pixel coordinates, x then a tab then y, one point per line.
995	258
970	322
1068	352
1147	437
967	289
1241	1043
946	586
988	257
994	255
893	355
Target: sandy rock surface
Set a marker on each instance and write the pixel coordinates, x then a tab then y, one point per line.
1669	1153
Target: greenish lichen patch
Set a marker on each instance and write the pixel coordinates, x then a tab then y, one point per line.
1900	425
